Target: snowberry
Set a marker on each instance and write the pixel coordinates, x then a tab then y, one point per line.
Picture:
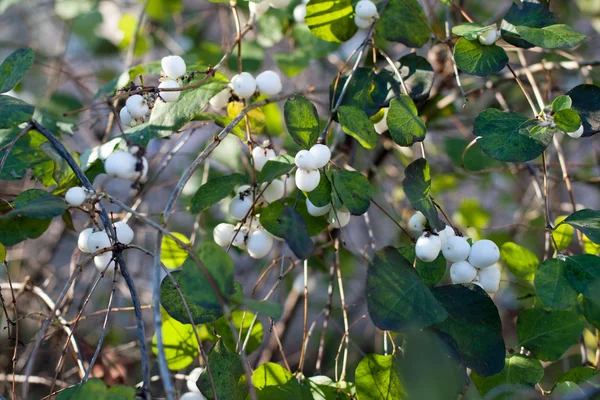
173	66
445	234
489	279
125	116
307	181
253	224
274	191
488	38
456	249
279	3
259	244
104	261
260	156
75	196
169	96
484	253
577	133
322	155
339	218
428	247
124	232
82	240
381	126
221	99
361	22
462	272
365	9
239	207
244	85
317	211
193	395
300	13
259	8
305	160
268	83
193	376
97	241
136	106
222	234
143	174
238	236
417	222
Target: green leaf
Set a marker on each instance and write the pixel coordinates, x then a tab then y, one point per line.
120	392
354	190
271	215
590	310
552	286
586	101
471	30
91	389
267	308
295	232
173	256
567	389
561	103
214	191
331	20
518	370
302	121
417	185
321	195
276	167
578	375
567	120
587	221
273	382
418	76
227	373
474	58
430	272
376	379
14	67
548	334
583	272
356	123
2	254
367	90
563	233
397	299
519	260
507	136
473	314
558	36
13	112
181	346
241	320
404	123
531	14
163	10
414	31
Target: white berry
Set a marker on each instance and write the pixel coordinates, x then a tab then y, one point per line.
577	134
239	208
169	96
365	9
97	241
381	126
317	211
484	253
489	279
82	240
221	99
428	247
300	13
120	164
339	218
244	85
268	83
238	236
259	8
259	244
192	395
223	233
260	156
173	66
361	22
417	222
445	234
462	272
456	249
279	3
322	155
489	37
193	376
307	181
104	261
274	191
125	116
136	106
124	232
75	196
305	160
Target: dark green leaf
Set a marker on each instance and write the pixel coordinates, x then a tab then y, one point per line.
376	379
227	374
518	370
590	310
321	195
548	334
558	36
92	389
36	203
552	286
13	112
14	68
473	314
397	299
561	103
417	185
120	392
332	21
414	31
474	58
179	340
531	14
367	90
519	260
418	76
356	123
471	30
214	191
578	375
506	136
404	123
295	232
583	272
567	120
430	272
354	190
587	221
271	215
566	390
302	121
276	167
586	101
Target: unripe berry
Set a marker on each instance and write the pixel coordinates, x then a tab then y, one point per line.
456	249
169	96
428	247
317	211
244	85
136	106
322	155
300	13
417	222
259	244
124	232
97	241
307	181
577	134
173	66
82	240
489	279
305	160
259	8
268	83
274	191
104	261
221	99
339	218
260	156
365	9
279	3
125	116
361	22
462	272
238	208
75	196
223	233
489	37
484	253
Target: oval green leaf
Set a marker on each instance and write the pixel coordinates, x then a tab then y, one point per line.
474	58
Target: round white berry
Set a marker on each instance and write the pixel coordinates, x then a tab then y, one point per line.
445	234
577	134
259	244
125	116
75	196
307	181
361	22
169	96
322	155
365	9
305	160
462	272
317	211
339	218
456	249
244	85
417	222
193	376
97	241
484	253
260	156
221	99
124	232
489	279
239	207
489	37
192	395
136	106
82	240
381	126
173	66
268	83
300	13
238	236
428	247
223	233
259	8
104	261
120	164
274	191
279	3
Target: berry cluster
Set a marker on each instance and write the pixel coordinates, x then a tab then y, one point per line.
308	163
244	86
366	13
470	263
91	241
